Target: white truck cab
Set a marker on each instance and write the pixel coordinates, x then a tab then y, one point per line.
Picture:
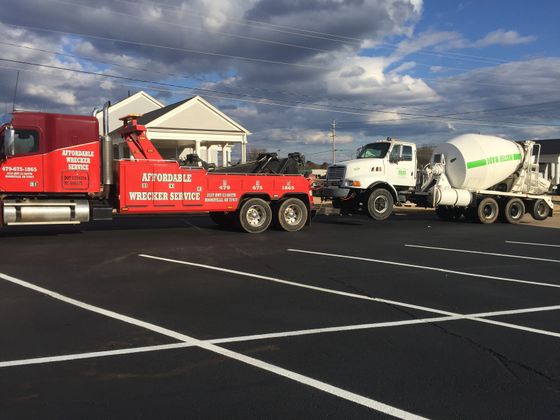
382	174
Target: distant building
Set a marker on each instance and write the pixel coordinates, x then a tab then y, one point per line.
550	159
189	126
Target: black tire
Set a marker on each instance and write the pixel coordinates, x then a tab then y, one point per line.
254	215
380	204
290	215
513	211
450	214
222	219
488	210
539	209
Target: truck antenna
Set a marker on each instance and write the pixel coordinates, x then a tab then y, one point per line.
15	93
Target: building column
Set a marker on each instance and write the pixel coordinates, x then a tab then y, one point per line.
224	155
244	149
197	147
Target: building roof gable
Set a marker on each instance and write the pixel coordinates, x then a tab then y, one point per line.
139	103
194	114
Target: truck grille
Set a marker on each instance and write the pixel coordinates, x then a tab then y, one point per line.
336	173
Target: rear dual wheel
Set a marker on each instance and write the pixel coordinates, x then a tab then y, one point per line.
254	215
539	209
488	210
513	211
291	214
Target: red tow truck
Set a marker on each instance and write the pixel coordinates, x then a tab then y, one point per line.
56	169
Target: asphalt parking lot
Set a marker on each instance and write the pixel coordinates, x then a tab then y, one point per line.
173	317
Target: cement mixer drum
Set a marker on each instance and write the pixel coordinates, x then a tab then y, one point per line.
475	161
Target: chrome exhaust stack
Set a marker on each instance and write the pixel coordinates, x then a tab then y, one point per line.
107	153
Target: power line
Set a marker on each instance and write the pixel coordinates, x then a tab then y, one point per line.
152	71
487	110
166	22
187	50
421	51
281	103
324	35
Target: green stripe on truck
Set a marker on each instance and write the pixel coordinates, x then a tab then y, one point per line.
493	159
476	163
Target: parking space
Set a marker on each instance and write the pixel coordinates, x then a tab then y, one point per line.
347	318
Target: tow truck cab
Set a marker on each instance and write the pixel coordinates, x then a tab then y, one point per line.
52	154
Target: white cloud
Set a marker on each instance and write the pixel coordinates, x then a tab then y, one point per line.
61	96
365	77
502	37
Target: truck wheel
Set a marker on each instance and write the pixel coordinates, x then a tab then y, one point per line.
291	215
540	210
380	204
254	215
222	219
488	210
513	211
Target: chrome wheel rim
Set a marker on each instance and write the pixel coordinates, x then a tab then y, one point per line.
515	212
488	211
292	215
541	209
380	204
256	216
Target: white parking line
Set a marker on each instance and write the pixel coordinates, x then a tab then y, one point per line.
494	254
353	295
294	376
92	355
532	243
425	267
266	336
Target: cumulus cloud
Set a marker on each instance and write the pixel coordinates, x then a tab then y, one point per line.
502	37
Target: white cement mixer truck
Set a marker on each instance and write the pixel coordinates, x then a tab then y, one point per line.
475	176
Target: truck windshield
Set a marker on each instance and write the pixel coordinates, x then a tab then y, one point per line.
374	150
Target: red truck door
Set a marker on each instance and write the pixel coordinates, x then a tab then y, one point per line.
23	171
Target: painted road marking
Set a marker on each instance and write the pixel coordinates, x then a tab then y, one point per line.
494	254
425	267
532	243
92	355
266	336
294	376
353	295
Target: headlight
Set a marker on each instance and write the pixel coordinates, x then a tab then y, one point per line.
350	183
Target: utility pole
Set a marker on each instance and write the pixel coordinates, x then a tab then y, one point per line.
15	93
333	135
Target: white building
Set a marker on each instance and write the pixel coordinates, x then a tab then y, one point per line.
189	126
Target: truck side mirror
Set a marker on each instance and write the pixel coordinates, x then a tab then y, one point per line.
9	141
